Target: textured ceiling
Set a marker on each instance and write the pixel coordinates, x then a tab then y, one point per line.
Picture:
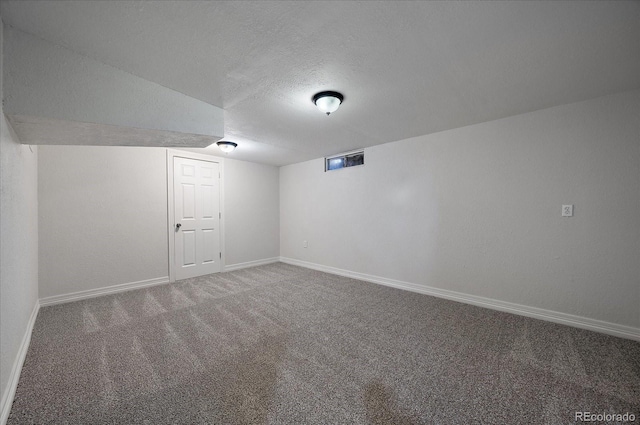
405	68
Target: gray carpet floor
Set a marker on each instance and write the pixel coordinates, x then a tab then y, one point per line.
283	344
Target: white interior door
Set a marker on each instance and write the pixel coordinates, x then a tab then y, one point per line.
196	194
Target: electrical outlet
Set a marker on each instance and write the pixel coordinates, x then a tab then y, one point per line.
304	244
567	210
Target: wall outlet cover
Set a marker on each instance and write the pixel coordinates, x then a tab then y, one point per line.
567	210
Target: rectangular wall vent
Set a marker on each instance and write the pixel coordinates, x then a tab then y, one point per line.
344	160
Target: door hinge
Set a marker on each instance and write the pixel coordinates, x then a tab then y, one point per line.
219	215
221	256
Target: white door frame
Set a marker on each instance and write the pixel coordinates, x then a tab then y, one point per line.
171	239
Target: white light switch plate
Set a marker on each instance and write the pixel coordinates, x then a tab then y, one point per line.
567	210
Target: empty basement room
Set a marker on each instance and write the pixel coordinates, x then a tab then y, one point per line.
320	212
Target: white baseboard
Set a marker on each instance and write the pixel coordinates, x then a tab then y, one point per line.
239	266
10	390
523	310
91	293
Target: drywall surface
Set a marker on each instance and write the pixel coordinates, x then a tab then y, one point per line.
80	101
252	212
103	217
406	68
47	131
477	210
18	245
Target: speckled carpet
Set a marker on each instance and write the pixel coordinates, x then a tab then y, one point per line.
283	344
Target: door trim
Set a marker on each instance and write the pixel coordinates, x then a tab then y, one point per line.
171	236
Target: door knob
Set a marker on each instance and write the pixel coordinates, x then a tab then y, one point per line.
178	226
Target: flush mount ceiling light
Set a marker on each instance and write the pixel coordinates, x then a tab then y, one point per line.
328	101
226	147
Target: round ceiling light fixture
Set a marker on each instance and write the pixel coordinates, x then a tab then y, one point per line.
226	147
328	101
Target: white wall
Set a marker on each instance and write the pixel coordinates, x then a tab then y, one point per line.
252	207
18	250
476	210
103	216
